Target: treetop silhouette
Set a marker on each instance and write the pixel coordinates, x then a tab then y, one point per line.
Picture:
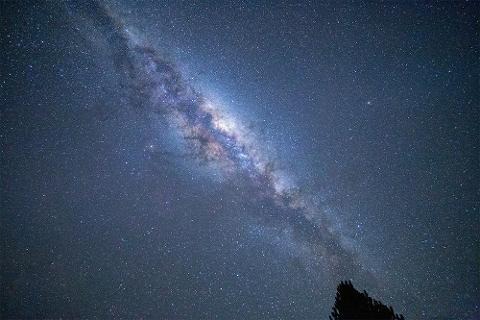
351	304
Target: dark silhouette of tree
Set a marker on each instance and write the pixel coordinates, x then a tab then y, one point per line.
351	304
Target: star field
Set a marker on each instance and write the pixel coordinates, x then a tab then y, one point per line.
208	160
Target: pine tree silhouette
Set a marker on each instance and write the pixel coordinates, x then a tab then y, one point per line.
351	304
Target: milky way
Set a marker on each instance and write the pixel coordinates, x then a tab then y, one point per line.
156	86
237	160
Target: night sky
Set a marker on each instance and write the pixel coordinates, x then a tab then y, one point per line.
207	160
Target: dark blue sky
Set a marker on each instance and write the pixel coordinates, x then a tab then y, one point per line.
237	161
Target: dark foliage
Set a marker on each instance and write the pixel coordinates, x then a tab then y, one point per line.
352	304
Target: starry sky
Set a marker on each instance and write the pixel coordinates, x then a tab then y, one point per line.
237	160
